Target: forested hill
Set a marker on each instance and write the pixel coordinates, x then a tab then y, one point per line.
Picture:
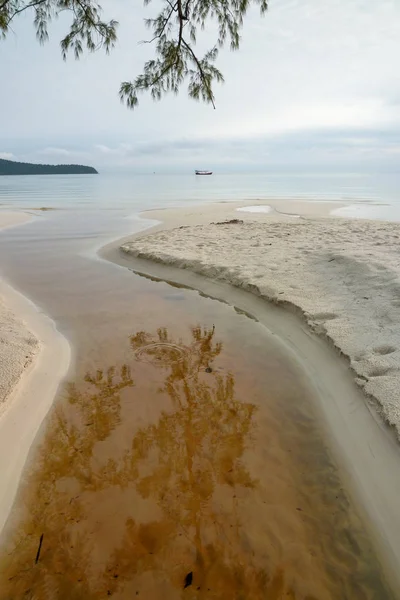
10	167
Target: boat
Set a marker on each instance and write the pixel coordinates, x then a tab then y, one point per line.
203	172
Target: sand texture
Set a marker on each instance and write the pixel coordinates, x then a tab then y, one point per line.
18	348
344	276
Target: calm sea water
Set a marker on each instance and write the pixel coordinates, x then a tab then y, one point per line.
130	193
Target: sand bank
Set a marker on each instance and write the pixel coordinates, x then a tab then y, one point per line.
33	359
342	275
11	219
31	397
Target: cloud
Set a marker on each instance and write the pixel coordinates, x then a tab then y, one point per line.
54	152
7	155
121	150
327	148
322	148
304	65
311	86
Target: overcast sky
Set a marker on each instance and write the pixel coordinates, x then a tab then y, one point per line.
315	85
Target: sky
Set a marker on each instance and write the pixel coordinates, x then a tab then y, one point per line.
315	86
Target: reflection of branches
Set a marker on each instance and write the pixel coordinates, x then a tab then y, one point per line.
182	361
196	451
65	473
178	463
174	501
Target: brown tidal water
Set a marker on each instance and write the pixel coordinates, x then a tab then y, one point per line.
183	459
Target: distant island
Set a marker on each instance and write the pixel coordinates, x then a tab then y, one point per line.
10	167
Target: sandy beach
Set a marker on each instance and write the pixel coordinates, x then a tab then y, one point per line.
341	275
34	357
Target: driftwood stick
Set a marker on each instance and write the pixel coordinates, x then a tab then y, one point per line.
39	549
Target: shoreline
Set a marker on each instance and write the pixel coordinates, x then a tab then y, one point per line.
162	219
365	447
33	383
31	398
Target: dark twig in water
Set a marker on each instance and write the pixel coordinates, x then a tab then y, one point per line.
39	549
188	579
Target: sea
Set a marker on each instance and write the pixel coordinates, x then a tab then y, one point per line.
377	195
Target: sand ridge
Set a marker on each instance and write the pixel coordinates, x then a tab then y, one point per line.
344	276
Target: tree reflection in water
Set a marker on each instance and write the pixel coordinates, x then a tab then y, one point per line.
187	468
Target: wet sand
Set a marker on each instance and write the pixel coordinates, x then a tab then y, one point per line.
13	218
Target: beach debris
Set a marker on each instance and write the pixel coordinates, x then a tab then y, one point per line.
188	580
39	549
208	370
230	222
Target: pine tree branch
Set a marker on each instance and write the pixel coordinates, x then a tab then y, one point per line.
176	58
166	21
201	71
89	17
22	9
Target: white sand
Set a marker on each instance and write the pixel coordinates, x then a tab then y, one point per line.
18	347
343	275
33	359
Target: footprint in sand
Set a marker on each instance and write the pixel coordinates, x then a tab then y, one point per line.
383	350
379	371
324	316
